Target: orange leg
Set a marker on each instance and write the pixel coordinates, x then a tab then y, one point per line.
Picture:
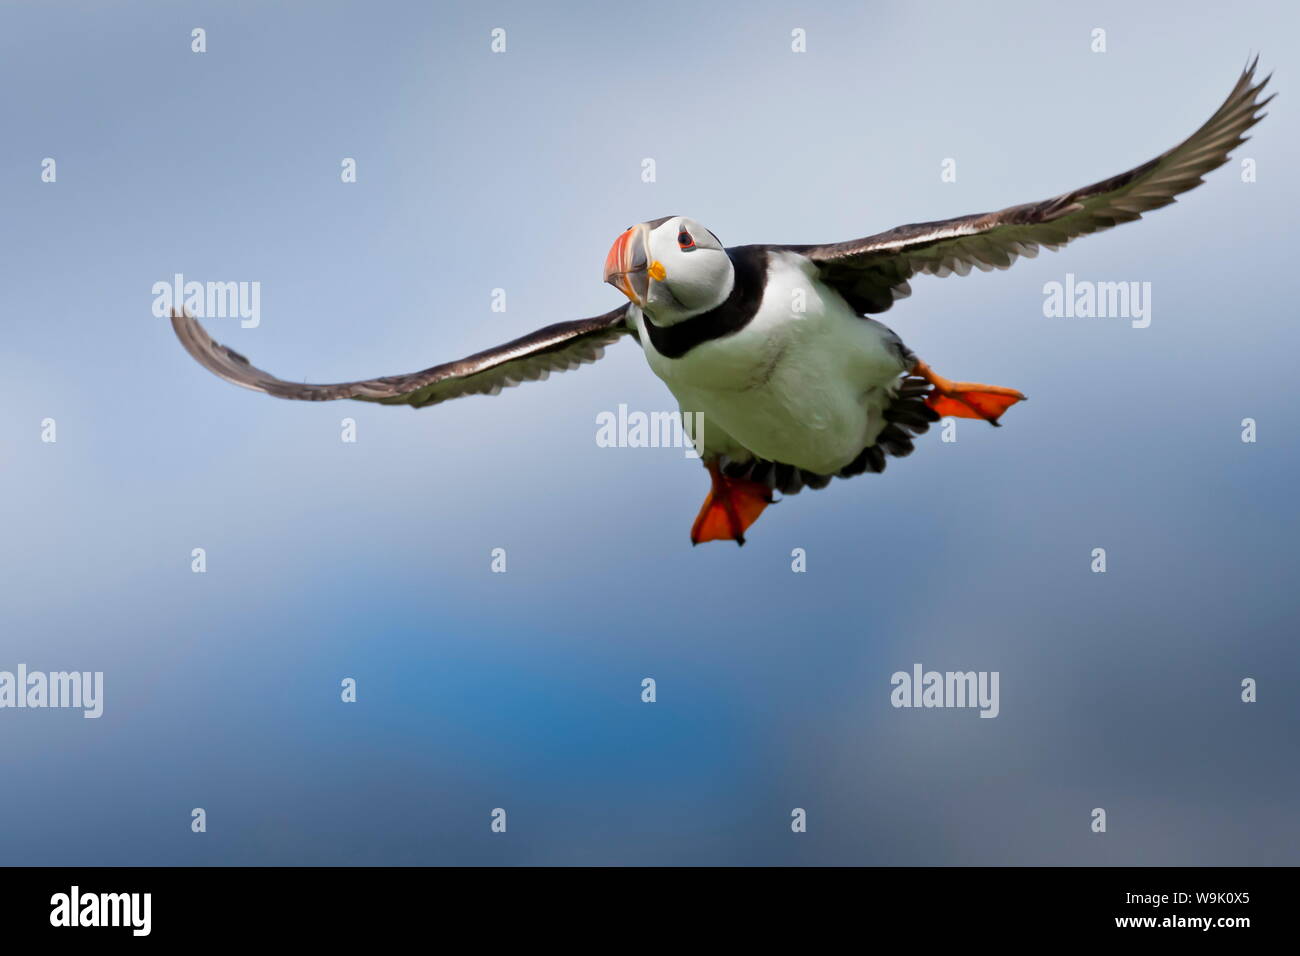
732	505
967	399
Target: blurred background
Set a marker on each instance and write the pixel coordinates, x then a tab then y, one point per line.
521	690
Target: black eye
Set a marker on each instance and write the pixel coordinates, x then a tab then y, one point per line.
684	240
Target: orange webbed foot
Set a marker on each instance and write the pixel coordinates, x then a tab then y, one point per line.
967	399
732	505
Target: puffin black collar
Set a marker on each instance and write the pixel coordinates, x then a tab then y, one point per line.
750	266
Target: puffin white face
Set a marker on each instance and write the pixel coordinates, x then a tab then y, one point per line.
673	268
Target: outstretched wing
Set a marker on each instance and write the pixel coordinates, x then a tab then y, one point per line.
555	348
872	272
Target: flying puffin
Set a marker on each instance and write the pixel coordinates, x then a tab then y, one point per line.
773	344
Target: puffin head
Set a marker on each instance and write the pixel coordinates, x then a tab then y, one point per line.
673	268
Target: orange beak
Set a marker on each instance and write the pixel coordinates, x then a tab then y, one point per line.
626	266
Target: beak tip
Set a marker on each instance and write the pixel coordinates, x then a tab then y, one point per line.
620	265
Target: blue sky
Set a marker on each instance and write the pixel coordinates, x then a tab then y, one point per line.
522	690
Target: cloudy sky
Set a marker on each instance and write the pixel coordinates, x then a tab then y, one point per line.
370	560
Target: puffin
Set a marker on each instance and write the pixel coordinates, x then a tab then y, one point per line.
775	348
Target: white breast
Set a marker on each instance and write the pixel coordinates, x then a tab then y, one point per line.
804	383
